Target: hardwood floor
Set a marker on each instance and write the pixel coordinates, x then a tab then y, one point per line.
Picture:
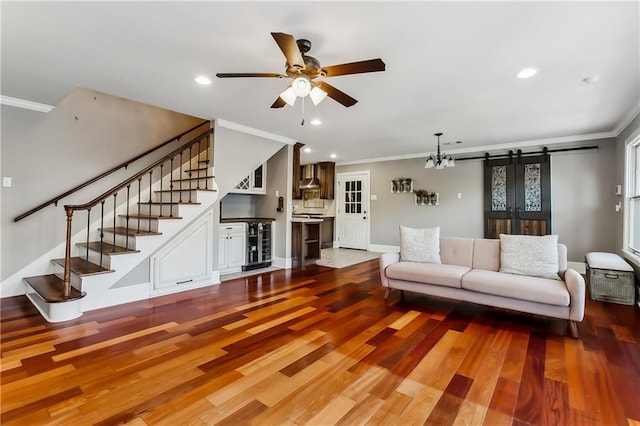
317	347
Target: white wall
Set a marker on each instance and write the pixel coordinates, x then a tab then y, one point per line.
47	154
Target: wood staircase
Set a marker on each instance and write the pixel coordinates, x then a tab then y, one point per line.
138	232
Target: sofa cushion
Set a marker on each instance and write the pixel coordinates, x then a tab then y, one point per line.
420	245
428	273
456	251
529	255
533	289
486	254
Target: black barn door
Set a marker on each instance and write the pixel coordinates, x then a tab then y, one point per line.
517	195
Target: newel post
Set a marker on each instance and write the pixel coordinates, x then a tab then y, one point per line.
66	285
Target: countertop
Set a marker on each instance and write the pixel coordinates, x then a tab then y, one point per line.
247	219
305	220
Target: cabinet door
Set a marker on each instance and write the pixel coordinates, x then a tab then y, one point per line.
186	261
259	180
297	173
223	251
326	176
236	249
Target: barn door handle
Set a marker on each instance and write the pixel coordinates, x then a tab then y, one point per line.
510	212
518	211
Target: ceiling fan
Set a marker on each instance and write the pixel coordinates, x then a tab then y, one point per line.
304	69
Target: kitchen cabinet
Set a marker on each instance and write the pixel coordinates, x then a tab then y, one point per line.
327	232
255	183
305	247
326	171
231	247
185	262
297	172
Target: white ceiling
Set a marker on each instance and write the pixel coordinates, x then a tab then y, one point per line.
450	67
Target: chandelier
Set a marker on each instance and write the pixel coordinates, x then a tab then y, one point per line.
439	160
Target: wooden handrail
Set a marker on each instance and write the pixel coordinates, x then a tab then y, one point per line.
135	177
105	174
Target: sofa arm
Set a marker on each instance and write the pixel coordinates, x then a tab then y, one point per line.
577	291
385	260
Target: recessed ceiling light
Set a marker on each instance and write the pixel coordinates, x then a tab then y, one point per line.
316	122
307	150
527	72
333	156
203	79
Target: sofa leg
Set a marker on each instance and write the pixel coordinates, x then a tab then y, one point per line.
387	292
573	326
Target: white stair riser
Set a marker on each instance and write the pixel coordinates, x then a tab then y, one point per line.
159	210
139	223
201	183
166	197
121	240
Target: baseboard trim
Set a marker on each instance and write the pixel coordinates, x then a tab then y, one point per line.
381	248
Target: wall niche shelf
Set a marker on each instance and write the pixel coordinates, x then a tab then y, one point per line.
401	186
433	199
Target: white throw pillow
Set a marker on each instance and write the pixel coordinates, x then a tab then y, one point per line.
420	245
536	256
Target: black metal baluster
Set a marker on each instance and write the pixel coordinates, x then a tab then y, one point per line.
139	186
161	179
206	159
171	187
126	244
149	213
101	231
198	162
180	176
114	222
86	262
190	171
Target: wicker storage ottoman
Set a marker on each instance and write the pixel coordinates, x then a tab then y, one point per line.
610	278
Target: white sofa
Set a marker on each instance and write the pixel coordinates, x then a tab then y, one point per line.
469	272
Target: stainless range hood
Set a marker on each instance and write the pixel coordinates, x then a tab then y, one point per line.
309	180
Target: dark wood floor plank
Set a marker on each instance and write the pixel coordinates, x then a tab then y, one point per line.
320	346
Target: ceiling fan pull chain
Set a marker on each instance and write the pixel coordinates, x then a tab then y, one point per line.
302	123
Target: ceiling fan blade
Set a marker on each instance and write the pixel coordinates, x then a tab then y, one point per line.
336	94
249	74
371	65
289	48
279	103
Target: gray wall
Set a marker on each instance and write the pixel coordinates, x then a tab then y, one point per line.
456	217
278	180
582	198
622	141
46	154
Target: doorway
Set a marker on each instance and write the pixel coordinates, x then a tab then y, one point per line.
352	211
517	195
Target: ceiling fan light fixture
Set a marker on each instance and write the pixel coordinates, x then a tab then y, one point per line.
289	96
301	87
317	95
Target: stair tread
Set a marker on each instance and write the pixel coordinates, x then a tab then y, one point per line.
146	216
185	190
49	287
107	248
82	267
201	169
192	178
121	230
175	203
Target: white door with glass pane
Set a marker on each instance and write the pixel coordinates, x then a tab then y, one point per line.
353	210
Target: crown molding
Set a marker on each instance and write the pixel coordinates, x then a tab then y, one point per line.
627	119
23	103
490	148
251	131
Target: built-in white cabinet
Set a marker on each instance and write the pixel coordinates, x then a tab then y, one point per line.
185	262
255	183
232	245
